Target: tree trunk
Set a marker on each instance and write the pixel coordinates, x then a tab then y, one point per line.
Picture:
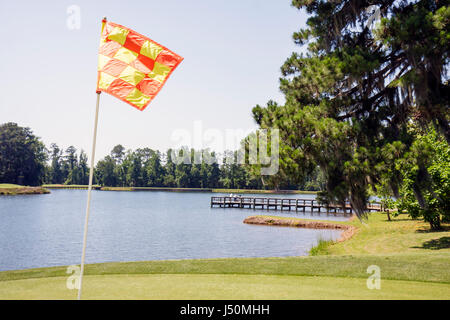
435	223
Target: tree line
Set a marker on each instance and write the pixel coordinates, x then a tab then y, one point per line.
24	159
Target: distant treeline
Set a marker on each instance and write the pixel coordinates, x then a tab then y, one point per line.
24	159
145	167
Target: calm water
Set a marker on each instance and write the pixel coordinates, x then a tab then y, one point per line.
47	230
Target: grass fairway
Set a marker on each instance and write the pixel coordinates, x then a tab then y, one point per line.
414	264
9	185
220	286
399	236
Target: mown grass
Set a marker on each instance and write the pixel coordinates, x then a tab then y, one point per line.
400	235
411	267
9	185
220	286
69	186
377	235
407	276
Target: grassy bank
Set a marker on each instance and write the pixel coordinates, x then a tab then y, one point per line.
413	262
409	276
402	235
377	235
15	189
70	186
321	248
424	267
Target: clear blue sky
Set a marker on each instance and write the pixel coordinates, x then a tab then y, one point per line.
233	51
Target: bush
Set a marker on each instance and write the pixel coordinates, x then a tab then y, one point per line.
425	188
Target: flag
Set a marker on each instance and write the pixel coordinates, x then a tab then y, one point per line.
132	67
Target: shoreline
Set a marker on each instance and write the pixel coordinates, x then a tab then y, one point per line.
21	190
169	189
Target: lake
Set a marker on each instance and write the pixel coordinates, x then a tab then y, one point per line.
47	230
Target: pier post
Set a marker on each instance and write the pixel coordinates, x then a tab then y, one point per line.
280	204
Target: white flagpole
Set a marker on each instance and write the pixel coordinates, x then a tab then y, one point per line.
91	175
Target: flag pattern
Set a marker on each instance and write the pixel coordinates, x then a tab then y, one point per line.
131	66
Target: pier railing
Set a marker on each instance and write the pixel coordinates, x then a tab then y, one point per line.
286	204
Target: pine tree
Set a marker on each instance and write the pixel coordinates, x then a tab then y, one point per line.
351	96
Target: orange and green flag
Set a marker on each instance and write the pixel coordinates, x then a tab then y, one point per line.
131	66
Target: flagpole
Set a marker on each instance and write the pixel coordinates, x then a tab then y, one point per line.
91	175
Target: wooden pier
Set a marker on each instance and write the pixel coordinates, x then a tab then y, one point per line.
311	205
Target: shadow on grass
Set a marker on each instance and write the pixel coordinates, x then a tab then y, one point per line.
444	228
436	244
400	219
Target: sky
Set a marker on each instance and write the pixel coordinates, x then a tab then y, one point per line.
232	53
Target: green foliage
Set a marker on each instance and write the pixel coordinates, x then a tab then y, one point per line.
190	169
354	92
425	189
67	167
22	156
105	172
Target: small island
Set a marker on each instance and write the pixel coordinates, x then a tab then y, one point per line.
15	189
